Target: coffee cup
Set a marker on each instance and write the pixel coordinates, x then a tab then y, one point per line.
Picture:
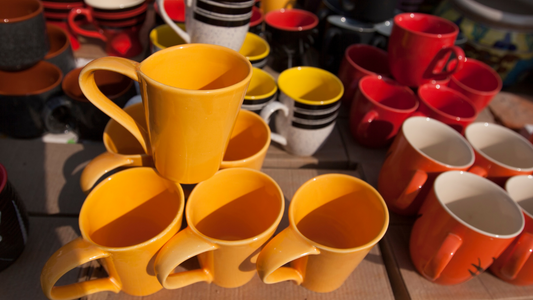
379	109
309	103
500	152
163	36
210	22
23	95
466	222
419	48
23	32
423	149
261	91
477	81
515	264
358	61
230	216
125	219
446	105
334	221
256	49
196	98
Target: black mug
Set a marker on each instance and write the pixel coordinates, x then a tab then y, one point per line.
372	11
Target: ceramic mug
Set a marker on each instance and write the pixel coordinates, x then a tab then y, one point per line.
230	216
271	5
464	224
358	61
23	32
113	4
23	95
125	219
309	102
477	81
423	149
500	152
213	22
261	91
163	36
329	233
446	105
419	47
60	52
256	49
379	109
515	264
196	98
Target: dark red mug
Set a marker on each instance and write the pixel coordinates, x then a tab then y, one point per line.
361	60
446	105
379	109
419	48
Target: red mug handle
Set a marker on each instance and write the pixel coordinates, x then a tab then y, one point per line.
89	33
460	59
368	118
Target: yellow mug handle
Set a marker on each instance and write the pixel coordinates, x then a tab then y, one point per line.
68	257
182	246
283	248
89	88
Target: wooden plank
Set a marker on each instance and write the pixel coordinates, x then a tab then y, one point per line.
47	234
47	175
484	286
357	153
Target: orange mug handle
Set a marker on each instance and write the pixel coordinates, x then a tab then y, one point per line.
89	33
444	255
478	171
68	257
518	257
418	179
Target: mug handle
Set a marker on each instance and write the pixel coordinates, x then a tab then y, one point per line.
89	88
478	171
368	118
518	257
410	192
68	257
444	255
178	249
89	33
162	11
283	248
460	59
106	162
267	111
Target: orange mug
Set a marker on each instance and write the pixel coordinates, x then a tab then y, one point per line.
500	152
515	264
334	221
464	224
125	219
191	93
423	149
230	216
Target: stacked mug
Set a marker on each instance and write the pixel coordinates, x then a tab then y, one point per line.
56	12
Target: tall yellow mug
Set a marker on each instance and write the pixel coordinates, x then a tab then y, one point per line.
334	221
191	94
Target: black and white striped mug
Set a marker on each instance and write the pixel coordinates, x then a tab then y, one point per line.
309	99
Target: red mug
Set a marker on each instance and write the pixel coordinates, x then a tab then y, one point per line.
379	109
419	48
121	36
501	153
423	149
515	264
477	81
465	222
361	60
446	105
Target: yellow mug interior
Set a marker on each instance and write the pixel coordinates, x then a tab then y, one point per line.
262	85
163	36
254	47
310	85
249	137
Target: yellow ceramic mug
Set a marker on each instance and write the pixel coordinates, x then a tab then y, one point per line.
123	150
230	216
334	221
123	222
191	94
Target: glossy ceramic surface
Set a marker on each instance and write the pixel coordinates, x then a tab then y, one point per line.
125	219
256	49
60	52
187	92
465	223
334	221
230	216
261	91
163	36
379	109
423	149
